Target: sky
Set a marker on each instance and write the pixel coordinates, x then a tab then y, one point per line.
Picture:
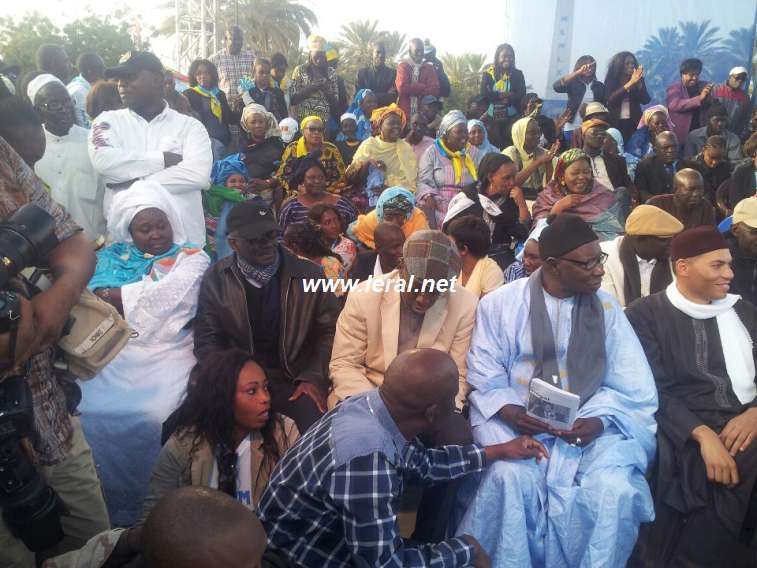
412	18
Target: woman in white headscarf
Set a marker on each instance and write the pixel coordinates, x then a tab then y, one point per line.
445	168
153	277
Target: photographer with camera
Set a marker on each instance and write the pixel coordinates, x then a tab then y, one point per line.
50	496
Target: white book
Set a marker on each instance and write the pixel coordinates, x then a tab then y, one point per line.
551	404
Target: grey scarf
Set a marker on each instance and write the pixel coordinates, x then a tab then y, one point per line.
587	357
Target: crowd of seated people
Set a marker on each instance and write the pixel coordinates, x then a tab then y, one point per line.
367	328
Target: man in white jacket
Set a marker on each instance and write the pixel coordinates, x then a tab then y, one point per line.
148	140
637	262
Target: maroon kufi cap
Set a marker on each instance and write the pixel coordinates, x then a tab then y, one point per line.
696	241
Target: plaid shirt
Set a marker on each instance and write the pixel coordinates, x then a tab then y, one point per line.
231	68
19	186
333	499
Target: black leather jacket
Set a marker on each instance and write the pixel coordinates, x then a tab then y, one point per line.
308	319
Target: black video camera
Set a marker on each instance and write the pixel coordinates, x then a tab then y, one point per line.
30	508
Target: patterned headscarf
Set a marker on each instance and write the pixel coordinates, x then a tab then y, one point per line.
222	169
379	115
431	255
449	121
648	113
566	159
395	200
252	109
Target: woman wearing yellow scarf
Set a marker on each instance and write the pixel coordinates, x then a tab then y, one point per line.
503	86
534	162
386	150
210	104
445	168
312	139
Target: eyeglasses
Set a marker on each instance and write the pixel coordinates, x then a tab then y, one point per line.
315	128
589	264
57	106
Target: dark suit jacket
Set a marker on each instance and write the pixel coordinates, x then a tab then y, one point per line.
617	171
652	178
216	129
363	267
576	90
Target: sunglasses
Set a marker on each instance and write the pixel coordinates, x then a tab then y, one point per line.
315	128
589	264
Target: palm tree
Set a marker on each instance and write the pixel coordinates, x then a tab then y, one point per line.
661	56
395	45
270	25
464	72
701	41
737	47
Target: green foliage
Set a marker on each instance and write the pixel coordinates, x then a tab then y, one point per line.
464	72
663	53
355	48
20	39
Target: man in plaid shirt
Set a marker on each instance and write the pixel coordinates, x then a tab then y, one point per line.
333	499
233	62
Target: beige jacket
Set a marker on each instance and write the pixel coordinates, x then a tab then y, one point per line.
178	466
367	333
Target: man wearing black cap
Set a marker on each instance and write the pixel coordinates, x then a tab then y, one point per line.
255	300
148	140
585	506
699	341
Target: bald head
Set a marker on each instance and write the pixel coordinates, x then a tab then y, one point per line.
386	233
421	378
198	527
688	188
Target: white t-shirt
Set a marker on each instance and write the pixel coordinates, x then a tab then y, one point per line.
600	172
645	274
244	474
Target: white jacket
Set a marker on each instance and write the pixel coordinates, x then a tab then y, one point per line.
123	146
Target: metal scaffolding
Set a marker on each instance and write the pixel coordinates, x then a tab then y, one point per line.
196	24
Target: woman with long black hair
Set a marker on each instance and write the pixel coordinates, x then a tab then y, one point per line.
626	92
225	436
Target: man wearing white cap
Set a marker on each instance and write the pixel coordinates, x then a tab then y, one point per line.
743	244
732	96
65	166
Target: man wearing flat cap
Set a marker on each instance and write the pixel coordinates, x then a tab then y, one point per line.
255	300
637	262
148	140
584	505
699	341
387	316
743	244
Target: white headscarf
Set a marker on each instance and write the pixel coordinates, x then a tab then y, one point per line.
38	82
140	196
254	108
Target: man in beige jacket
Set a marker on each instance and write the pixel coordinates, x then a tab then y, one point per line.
418	305
385	316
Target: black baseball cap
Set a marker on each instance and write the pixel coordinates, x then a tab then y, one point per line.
133	62
251	219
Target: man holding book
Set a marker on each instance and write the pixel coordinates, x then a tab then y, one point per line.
583	505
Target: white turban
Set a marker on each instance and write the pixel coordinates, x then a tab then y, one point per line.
140	196
38	82
254	108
